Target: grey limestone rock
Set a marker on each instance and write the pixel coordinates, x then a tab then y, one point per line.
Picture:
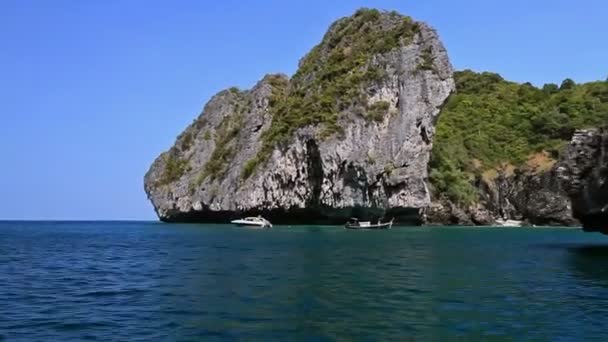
584	176
371	168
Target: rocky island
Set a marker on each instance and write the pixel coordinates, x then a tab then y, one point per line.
376	123
349	134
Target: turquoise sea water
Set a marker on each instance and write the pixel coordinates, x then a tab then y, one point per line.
151	281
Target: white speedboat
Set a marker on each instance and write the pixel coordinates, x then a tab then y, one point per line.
258	222
508	223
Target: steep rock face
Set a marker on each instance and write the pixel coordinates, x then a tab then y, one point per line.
524	194
584	175
349	134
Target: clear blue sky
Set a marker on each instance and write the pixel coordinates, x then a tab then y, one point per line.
92	91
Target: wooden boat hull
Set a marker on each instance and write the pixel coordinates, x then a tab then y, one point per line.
371	226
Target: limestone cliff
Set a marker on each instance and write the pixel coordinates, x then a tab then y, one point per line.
349	134
535	197
584	175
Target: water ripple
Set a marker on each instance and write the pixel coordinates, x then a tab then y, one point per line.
147	281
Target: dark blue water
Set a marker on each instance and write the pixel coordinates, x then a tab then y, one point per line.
152	281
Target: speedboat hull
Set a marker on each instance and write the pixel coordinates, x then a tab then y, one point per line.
252	224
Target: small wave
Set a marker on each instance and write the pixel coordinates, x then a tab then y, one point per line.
108	293
82	326
182	312
171	325
31	325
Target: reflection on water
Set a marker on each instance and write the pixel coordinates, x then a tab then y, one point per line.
590	263
198	282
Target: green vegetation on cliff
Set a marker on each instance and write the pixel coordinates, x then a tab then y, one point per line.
332	77
491	122
224	151
225	133
174	169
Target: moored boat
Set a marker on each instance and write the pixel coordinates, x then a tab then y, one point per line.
258	222
508	223
356	224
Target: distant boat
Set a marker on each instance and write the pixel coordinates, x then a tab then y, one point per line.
508	223
258	222
356	224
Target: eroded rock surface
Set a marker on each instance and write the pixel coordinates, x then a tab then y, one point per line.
363	151
584	175
534	197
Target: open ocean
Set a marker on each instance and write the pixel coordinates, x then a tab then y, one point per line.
147	281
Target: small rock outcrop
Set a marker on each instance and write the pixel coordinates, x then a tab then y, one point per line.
584	176
349	134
